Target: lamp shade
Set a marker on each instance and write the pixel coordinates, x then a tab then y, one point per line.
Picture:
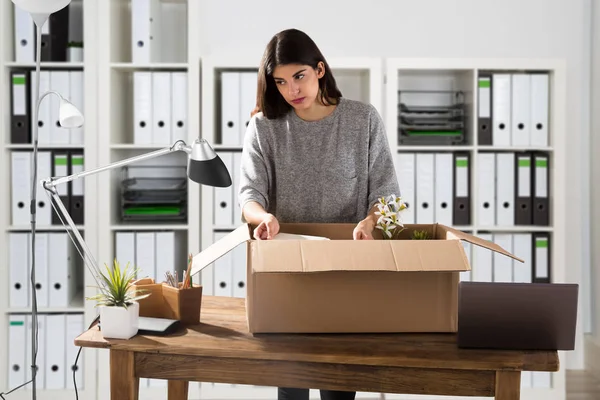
41	6
211	172
206	167
68	115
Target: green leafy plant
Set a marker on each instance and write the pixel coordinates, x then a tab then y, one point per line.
390	221
420	235
115	287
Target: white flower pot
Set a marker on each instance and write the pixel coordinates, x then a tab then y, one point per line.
119	322
75	54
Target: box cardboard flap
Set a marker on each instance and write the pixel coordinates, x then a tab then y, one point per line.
357	255
452	233
219	248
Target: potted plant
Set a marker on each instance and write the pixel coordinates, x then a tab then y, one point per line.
75	51
119	309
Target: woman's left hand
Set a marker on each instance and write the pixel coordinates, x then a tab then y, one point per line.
364	229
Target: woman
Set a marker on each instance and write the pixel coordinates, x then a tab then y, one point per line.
309	154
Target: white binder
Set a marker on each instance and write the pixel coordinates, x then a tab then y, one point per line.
179	106
19	266
501	109
24	36
239	270
236	172
230	108
145	31
465	276
125	249
425	188
61	271
17	363
142	107
41	353
223	197
45	116
76	84
21	167
405	166
74	327
444	183
161	108
55	351
522	248
505	189
503	267
521	110
539	110
60	81
43	206
41	269
145	254
165	255
483	261
248	87
223	271
486	189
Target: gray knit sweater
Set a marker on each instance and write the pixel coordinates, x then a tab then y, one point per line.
331	170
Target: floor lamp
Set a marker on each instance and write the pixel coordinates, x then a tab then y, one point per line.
69	117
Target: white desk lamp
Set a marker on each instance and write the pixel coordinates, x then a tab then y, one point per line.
69	117
204	167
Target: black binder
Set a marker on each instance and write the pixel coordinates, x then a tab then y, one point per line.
484	108
542	271
461	215
56	37
20	107
60	159
523	189
76	202
541	189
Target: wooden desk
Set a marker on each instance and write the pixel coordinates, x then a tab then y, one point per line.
221	350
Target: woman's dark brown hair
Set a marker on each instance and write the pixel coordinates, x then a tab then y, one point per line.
290	46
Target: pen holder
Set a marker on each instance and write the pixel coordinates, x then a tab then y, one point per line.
166	301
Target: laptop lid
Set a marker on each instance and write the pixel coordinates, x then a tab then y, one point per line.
520	316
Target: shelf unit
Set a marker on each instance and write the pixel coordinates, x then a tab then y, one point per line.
86	381
109	69
462	74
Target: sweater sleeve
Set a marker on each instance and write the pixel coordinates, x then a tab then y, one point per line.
254	184
382	174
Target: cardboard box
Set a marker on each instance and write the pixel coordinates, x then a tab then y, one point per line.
346	286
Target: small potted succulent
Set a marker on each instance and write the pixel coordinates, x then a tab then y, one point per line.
119	307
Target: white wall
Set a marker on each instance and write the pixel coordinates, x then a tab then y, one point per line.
595	173
435	28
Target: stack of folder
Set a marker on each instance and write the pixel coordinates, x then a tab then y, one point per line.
153	198
431	117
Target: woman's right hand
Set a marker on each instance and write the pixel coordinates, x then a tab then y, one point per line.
267	229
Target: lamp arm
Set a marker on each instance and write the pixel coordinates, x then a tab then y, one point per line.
50	184
178	146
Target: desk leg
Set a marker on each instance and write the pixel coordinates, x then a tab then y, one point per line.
178	390
124	385
508	385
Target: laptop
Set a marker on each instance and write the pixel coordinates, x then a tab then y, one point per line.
517	316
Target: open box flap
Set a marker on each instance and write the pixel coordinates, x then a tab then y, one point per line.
452	233
308	256
219	248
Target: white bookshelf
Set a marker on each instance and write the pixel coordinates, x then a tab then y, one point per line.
109	68
87	361
462	74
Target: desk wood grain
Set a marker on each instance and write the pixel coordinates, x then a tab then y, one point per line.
220	349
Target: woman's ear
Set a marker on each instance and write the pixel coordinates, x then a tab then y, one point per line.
320	69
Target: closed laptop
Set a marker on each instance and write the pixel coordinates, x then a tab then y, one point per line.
519	316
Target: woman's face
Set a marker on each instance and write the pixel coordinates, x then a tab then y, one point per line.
298	84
